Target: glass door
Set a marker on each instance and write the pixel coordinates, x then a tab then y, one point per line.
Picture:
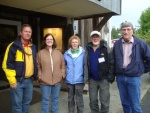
7	34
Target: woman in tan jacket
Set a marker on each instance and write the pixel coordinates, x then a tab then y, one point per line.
51	71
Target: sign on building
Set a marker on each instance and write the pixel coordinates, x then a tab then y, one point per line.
75	26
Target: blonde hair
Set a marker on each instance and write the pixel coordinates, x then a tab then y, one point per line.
73	37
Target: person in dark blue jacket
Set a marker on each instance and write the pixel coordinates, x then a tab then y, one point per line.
74	59
20	67
132	59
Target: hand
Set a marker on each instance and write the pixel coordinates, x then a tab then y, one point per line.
63	77
13	86
39	79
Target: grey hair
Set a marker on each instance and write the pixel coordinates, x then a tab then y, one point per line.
126	24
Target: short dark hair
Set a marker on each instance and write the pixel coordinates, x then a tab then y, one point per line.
25	25
44	39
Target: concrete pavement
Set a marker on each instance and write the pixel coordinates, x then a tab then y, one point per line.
115	104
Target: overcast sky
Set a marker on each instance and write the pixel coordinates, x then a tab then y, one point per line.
131	11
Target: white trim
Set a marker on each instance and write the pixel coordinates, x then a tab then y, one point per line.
11	22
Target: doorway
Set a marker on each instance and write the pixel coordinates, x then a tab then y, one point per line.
7	34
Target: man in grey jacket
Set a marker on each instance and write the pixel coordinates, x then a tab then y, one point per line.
98	71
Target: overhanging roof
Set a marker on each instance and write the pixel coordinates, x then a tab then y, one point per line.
64	8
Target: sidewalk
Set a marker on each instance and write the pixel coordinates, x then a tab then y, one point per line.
115	104
145	102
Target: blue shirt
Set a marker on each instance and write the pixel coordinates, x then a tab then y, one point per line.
94	64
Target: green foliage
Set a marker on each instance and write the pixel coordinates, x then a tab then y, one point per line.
145	37
144	30
144	21
115	33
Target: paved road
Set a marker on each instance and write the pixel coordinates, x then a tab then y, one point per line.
115	105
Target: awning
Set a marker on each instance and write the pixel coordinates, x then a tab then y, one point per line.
64	8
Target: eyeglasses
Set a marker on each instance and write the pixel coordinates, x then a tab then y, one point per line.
49	40
126	29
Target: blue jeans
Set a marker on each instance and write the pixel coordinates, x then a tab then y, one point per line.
22	96
47	91
129	89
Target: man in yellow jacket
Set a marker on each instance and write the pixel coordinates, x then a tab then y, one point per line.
20	67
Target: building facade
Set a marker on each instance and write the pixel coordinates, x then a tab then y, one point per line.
56	17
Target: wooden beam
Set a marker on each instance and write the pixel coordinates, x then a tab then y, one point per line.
103	22
95	21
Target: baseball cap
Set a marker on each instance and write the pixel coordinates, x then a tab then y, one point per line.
95	33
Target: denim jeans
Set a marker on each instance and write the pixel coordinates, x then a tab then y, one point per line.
129	89
102	88
22	96
75	94
47	92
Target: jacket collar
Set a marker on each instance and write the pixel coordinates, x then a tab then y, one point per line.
136	40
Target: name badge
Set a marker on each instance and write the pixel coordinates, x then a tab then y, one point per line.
100	60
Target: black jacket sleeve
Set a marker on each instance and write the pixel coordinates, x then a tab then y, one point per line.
111	67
